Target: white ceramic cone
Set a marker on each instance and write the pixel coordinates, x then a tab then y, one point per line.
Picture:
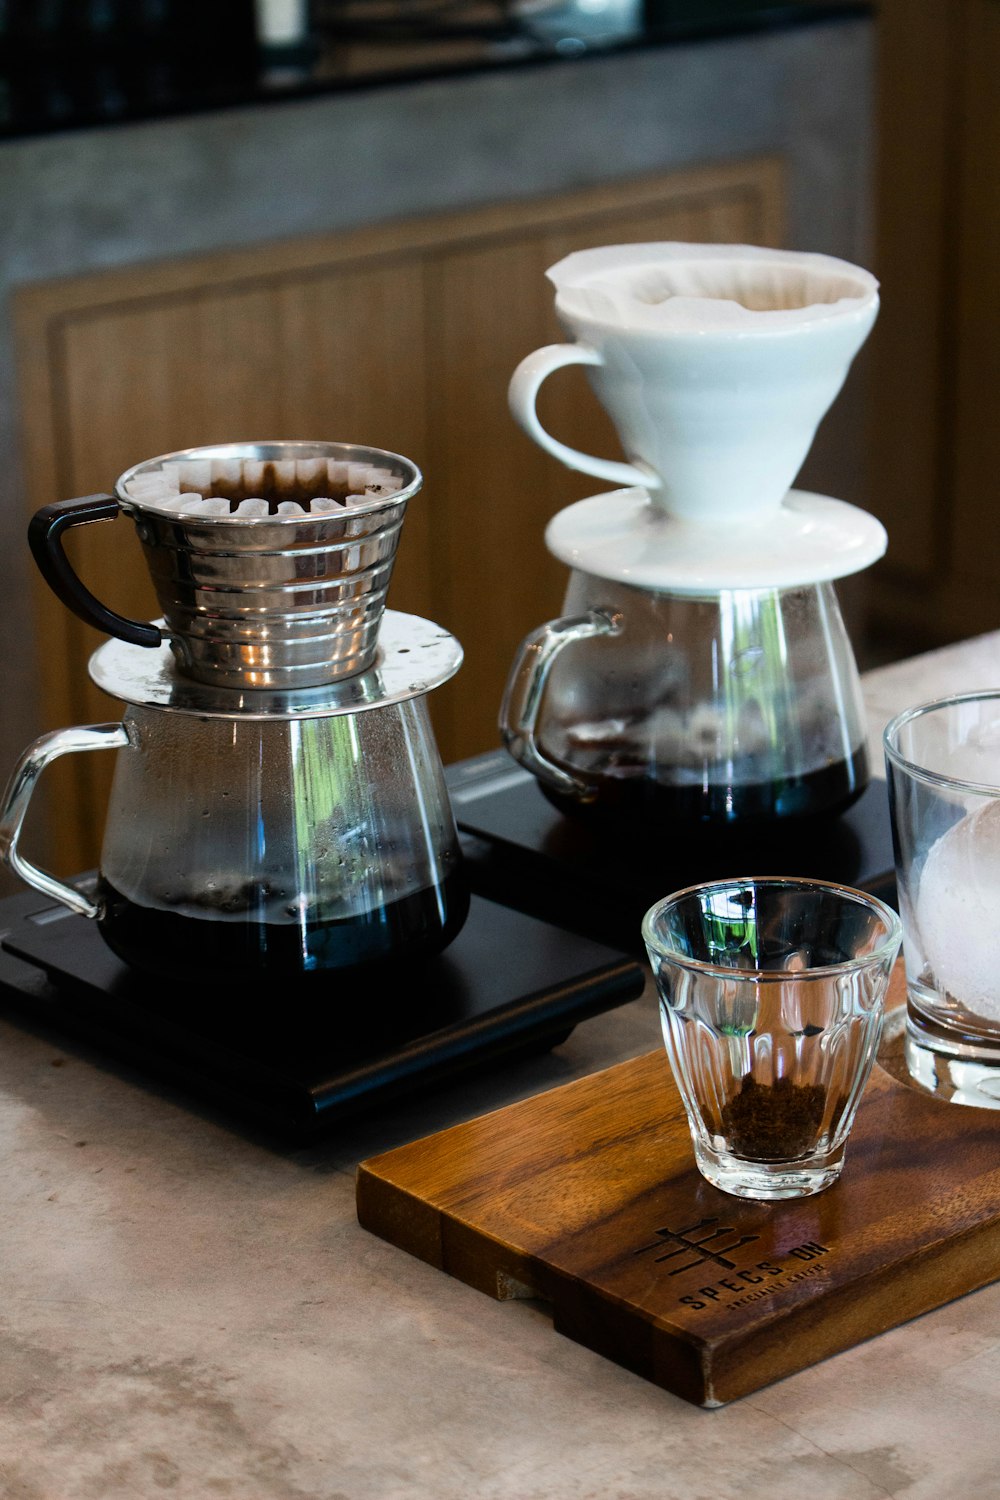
715	363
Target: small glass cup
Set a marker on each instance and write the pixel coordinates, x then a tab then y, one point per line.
771	1000
943	768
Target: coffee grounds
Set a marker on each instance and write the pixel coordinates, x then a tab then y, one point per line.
775	1121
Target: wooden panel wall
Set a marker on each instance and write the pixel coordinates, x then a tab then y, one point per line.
402	336
974	284
936	395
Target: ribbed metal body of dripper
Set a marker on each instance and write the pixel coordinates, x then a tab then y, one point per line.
271	571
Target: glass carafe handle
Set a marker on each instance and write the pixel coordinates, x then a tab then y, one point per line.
20	787
522	697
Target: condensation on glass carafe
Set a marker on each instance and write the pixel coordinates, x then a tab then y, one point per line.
728	709
239	846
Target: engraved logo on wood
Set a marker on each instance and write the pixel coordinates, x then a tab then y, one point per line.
697	1251
710	1242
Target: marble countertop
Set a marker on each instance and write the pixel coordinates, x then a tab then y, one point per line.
965	667
187	1310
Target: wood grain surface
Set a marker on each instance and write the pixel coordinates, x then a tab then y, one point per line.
588	1197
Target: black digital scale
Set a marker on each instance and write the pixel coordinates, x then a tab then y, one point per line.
524	852
552	939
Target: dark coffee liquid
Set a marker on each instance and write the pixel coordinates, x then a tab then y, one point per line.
176	944
630	801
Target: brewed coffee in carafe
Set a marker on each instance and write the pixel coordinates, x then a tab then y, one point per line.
281	849
636	737
700	673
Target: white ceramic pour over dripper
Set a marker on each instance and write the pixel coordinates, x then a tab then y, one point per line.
716	364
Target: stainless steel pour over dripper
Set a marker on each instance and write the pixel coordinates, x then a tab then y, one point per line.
278	807
290	596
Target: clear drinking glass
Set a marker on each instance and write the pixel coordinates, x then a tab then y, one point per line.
771	1001
943	767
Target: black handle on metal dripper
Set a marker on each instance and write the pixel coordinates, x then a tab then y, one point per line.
45	533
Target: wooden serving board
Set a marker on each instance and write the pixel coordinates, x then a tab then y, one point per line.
588	1197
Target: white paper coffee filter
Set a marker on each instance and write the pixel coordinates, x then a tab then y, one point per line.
683	288
234	488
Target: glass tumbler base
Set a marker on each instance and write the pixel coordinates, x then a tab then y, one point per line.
768	1180
951	1069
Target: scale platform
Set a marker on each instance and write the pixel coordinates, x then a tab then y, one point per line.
524	852
509	984
553	937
